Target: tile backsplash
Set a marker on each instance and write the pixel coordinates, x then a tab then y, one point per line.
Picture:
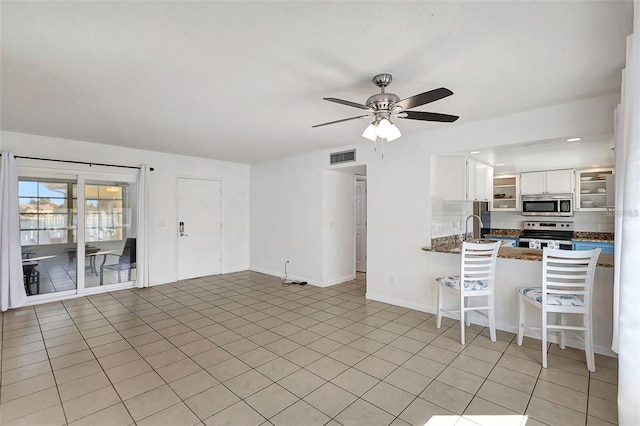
447	218
582	221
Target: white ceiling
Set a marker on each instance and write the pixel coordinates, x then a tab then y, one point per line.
592	151
243	81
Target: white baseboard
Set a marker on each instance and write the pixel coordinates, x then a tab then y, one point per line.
401	302
599	349
339	280
289	277
301	278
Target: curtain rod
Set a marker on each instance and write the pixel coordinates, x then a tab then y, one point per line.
81	162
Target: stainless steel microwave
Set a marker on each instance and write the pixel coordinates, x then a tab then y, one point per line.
547	205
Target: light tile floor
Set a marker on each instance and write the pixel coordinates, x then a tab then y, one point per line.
240	349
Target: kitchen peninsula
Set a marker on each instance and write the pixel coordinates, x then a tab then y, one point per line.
522	267
605	260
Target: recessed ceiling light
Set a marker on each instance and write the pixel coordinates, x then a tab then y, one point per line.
499	164
574	139
474	152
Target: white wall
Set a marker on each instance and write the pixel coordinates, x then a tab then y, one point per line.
339	249
162	194
286	217
287	194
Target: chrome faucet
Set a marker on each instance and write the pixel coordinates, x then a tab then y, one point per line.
466	225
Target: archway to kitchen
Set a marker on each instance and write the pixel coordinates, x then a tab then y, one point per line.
344	223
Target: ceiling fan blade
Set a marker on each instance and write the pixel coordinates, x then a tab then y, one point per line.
428	116
340	121
423	98
347	103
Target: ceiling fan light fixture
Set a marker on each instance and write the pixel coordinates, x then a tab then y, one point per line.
370	133
384	126
393	133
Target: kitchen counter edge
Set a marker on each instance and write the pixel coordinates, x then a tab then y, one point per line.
604	261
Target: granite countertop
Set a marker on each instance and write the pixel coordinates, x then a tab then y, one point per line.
605	260
595	237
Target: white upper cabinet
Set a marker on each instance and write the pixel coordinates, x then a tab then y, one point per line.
596	189
550	182
479	181
532	183
560	181
459	178
448	178
506	193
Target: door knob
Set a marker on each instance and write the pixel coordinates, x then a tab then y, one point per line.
181	230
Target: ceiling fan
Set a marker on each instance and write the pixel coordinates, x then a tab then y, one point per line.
383	106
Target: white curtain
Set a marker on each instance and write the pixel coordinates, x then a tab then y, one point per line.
12	292
142	245
626	286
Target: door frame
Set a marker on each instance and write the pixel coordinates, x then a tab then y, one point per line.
361	178
31	169
177	212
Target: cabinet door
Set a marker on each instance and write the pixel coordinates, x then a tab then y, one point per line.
483	182
560	181
488	183
448	178
471	180
532	183
586	245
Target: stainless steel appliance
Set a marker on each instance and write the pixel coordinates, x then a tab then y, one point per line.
480	209
547	205
547	233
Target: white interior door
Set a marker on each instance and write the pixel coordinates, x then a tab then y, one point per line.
361	226
199	228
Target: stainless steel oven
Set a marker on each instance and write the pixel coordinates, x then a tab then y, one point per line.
541	234
547	205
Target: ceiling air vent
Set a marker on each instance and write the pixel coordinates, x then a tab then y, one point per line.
342	157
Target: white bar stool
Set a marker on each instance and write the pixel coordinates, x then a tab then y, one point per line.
477	274
567	288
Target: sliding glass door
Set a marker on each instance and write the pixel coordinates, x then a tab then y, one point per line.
62	255
109	234
47	234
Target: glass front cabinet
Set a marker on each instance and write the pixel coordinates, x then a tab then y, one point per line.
594	189
506	193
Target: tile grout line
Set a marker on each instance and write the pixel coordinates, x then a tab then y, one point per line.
248	295
64	413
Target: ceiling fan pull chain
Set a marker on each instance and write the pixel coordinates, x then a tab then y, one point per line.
382	148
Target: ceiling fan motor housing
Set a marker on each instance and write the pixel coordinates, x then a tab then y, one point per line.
382	101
